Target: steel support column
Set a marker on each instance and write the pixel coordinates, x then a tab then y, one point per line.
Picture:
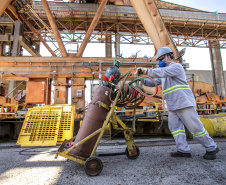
12	85
117	42
1	48
217	68
108	46
54	28
17	33
2	44
15	52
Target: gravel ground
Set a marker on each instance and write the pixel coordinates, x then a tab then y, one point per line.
29	166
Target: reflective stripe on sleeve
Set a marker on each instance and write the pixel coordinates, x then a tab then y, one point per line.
174	88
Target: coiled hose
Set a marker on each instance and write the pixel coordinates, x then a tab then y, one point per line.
131	96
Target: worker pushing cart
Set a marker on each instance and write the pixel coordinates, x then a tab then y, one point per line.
98	115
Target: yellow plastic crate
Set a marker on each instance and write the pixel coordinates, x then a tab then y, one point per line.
40	127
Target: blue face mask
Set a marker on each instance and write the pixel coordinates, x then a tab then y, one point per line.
162	64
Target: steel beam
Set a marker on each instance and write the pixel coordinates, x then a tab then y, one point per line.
37	35
91	28
25	44
54	28
4	5
24	67
181	20
153	23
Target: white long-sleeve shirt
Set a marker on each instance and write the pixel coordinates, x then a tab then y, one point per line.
175	88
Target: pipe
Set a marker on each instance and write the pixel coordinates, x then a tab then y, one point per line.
215	125
103	62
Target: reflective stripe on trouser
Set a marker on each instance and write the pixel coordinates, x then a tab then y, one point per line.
178	131
190	118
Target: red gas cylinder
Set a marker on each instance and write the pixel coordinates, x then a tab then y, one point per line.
93	120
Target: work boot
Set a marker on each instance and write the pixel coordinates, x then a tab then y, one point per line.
211	155
180	154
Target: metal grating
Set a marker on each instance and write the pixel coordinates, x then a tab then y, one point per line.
40	127
66	124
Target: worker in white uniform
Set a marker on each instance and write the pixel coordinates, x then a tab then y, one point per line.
181	104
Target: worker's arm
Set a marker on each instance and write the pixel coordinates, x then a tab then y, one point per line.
172	70
150	83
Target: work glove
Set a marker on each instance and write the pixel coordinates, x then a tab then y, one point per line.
141	70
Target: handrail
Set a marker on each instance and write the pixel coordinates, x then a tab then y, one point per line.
14	89
11	113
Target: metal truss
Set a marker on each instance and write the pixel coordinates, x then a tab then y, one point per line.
73	23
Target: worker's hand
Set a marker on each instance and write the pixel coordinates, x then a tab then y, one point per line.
141	70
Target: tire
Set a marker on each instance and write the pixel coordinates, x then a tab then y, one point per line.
134	156
93	166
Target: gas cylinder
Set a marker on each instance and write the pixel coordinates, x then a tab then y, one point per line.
93	120
113	73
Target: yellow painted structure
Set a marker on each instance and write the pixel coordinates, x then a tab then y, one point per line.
40	127
208	125
215	125
47	126
66	128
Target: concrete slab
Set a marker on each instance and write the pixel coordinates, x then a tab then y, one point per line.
21	166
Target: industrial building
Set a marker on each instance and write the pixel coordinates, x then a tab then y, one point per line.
49	89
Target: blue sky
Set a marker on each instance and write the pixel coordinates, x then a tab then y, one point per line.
206	5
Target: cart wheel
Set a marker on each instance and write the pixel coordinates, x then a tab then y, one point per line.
134	156
93	166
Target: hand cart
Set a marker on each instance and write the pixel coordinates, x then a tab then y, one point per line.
93	165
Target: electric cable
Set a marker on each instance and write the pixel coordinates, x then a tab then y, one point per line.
131	96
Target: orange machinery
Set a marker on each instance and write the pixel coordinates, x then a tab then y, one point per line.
203	92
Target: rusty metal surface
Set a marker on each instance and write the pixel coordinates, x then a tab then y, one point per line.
36	92
4	4
93	120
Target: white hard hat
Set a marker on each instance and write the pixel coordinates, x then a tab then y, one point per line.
163	51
